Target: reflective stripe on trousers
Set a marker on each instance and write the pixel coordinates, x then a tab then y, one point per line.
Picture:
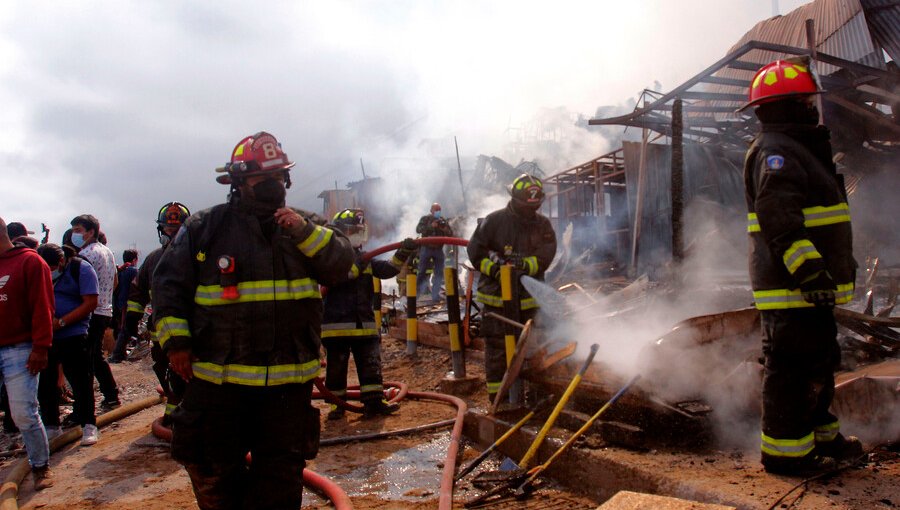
788	447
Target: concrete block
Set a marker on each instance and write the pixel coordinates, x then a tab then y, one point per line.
462	386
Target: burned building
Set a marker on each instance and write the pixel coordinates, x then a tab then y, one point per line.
629	206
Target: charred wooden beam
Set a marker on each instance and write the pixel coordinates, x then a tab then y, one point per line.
677	182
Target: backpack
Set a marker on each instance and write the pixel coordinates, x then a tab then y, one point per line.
75	270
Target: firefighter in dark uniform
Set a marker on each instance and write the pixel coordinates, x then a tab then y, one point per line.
349	323
169	220
516	235
432	224
238	313
801	265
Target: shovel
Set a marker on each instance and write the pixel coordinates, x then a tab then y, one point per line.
533	473
532	450
512	430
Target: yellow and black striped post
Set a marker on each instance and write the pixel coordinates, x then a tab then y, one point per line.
458	356
376	303
509	335
412	324
511	311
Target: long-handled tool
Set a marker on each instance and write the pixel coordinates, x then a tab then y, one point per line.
515	365
537	470
541	406
532	450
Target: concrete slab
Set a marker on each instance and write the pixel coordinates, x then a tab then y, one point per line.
724	477
627	500
460	387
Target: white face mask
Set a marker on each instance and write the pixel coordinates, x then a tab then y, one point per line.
78	239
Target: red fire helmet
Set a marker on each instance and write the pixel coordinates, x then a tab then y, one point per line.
255	155
782	79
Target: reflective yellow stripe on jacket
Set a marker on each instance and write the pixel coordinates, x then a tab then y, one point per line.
817	216
262	290
775	299
354	271
247	375
134	306
799	252
496	301
336	329
167	327
788	447
316	241
532	263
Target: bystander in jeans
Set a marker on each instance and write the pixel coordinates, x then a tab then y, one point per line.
26	316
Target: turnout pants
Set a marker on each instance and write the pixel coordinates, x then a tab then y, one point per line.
217	425
367	356
172	384
493	332
801	354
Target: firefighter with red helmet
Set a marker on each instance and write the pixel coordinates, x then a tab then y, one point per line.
169	219
801	265
522	237
238	312
349	324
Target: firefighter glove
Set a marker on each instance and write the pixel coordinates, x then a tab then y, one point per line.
517	262
819	289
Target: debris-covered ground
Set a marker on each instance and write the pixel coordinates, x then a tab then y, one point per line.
130	468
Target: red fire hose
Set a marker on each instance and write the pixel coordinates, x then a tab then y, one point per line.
397	392
422	241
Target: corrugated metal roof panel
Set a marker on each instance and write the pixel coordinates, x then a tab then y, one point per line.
841	31
883	17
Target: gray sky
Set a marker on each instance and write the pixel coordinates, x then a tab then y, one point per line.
117	107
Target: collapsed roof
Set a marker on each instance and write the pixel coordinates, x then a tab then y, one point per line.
851	38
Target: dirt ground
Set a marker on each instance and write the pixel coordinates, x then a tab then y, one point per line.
130	469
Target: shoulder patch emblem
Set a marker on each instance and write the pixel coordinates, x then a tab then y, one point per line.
775	162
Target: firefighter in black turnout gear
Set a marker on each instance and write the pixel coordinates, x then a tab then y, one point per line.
801	265
169	220
520	236
238	313
349	323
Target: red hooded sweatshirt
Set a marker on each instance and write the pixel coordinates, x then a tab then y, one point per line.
26	298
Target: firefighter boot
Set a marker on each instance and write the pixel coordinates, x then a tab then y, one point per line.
841	448
335	413
806	466
379	408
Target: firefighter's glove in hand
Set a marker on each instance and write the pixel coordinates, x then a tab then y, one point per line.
409	244
495	272
819	289
518	262
292	223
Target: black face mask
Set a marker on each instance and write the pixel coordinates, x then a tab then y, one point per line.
270	192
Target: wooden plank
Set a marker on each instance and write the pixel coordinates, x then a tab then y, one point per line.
515	365
543	363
